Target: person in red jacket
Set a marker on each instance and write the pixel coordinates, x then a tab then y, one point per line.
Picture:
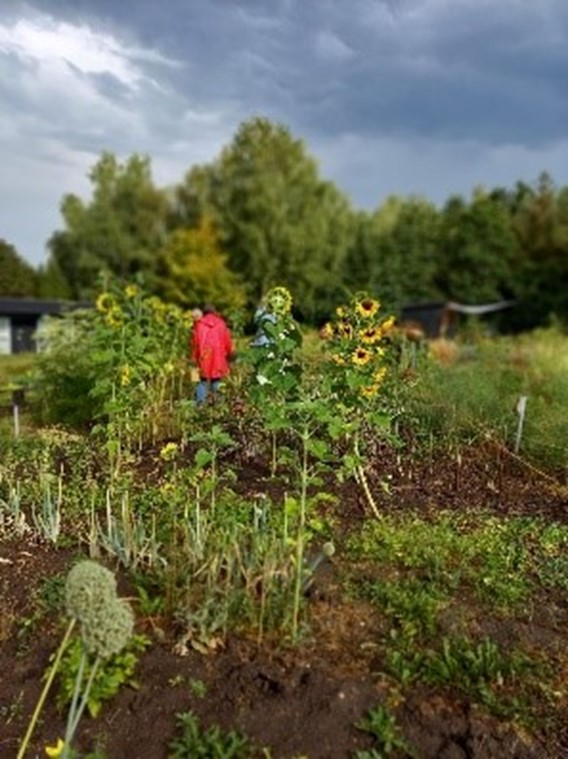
211	350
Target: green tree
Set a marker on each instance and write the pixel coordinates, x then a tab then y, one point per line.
395	252
17	277
194	270
120	230
52	282
278	221
478	250
541	226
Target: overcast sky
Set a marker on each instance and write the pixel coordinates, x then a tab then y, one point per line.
392	96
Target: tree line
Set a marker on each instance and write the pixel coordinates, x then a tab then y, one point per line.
261	214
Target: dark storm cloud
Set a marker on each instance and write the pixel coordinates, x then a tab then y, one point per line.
392	95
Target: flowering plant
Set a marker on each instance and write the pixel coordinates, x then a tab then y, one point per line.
357	340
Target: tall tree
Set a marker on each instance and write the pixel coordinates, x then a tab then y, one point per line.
17	277
478	250
541	225
279	222
119	231
194	270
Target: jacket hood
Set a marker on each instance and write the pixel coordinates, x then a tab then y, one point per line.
210	320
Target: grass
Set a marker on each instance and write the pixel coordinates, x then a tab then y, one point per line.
477	391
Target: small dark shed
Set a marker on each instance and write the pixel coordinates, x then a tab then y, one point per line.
440	318
20	319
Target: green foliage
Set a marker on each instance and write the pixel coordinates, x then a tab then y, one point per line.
120	363
114	673
476	260
196	742
120	231
195	271
278	221
17	278
478	393
380	723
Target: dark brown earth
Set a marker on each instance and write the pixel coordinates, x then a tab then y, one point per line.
301	702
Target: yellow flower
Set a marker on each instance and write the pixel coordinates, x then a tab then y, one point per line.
361	356
104	302
125	375
369	391
387	325
341	311
131	291
379	375
370	335
344	330
57	750
114	317
367	307
326	331
337	359
169	451
279	300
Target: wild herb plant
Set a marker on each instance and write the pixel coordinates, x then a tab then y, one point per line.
196	742
380	723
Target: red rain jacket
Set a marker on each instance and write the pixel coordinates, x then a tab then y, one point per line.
211	346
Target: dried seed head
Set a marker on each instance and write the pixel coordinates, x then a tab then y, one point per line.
89	587
109	631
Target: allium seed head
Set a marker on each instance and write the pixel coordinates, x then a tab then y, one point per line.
88	588
110	631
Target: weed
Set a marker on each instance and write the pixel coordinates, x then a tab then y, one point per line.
114	673
380	723
198	743
197	688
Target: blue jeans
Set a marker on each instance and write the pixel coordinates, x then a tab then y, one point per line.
202	389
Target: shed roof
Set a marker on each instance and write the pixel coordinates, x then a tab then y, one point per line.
36	306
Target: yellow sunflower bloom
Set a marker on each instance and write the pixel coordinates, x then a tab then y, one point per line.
131	291
370	335
114	317
344	330
341	312
104	302
338	359
387	325
370	391
125	375
367	307
379	375
279	300
361	356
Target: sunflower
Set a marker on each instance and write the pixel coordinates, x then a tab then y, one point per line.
370	335
387	325
104	302
114	317
367	307
279	300
361	356
344	330
379	375
337	359
341	312
369	391
131	291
